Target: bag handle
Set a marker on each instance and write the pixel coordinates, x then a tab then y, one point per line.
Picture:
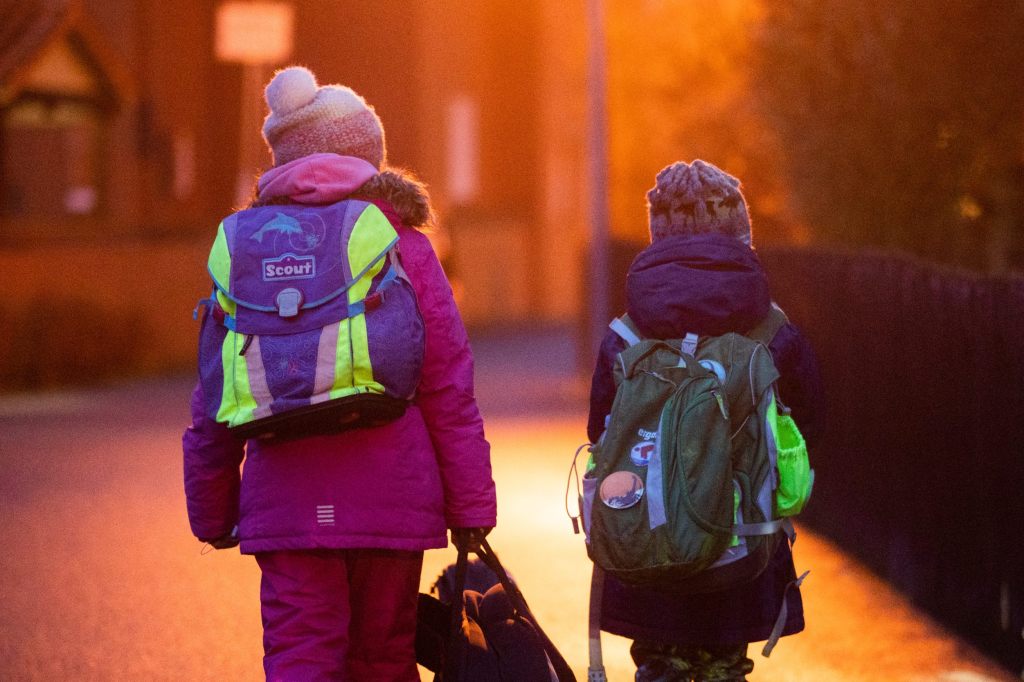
764	331
562	670
458	612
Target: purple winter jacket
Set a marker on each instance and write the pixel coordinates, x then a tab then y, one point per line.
397	486
709	284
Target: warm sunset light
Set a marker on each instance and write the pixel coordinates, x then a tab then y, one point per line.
680	87
294	292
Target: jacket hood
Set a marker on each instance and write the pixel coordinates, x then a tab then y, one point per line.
315	179
325	178
707	284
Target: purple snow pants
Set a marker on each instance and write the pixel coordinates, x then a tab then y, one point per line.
340	615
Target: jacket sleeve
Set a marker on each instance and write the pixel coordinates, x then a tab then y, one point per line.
212	457
800	385
602	385
445	394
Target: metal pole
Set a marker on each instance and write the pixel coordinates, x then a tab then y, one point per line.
250	147
597	163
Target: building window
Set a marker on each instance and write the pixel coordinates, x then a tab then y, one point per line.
49	151
52	135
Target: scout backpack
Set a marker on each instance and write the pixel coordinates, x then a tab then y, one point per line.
313	326
699	466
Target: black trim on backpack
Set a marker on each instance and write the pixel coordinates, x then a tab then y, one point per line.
361	410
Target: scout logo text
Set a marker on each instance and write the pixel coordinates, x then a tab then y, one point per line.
288	266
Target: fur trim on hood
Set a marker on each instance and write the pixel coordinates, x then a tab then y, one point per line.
404	192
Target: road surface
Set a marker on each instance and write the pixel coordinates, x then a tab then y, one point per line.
101	580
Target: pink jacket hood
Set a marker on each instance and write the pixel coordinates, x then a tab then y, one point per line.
316	179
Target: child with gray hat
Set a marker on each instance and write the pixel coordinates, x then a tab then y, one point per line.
700	274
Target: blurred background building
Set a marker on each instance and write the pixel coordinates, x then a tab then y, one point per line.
122	131
127	131
119	120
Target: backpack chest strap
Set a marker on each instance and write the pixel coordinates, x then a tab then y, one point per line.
763	332
765	528
626	329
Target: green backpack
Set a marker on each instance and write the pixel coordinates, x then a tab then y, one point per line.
699	468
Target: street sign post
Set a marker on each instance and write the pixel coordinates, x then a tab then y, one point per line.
597	308
254	34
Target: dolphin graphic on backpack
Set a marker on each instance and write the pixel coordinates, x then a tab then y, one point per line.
312	326
699	468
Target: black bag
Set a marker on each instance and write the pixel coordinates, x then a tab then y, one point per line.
488	637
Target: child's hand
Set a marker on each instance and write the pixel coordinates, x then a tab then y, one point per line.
226	541
469	538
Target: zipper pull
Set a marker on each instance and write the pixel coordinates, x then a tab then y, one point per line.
245	346
721	404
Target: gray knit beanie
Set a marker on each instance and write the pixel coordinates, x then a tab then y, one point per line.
697	198
307	119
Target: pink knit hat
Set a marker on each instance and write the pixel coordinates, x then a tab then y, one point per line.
306	119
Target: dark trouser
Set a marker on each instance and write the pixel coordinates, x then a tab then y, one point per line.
669	663
340	615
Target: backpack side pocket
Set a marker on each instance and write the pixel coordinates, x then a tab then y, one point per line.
587	503
796	478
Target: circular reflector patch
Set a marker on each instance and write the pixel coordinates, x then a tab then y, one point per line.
641	453
621	490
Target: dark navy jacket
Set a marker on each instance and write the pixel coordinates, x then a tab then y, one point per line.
707	284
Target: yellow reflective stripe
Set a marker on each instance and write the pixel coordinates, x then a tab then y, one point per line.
360	287
352	370
219	262
371	235
343	380
237	403
229	306
362	371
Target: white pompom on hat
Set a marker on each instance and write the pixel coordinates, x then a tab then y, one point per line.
308	119
697	198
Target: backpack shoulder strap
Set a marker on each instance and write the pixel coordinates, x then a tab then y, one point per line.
625	328
766	330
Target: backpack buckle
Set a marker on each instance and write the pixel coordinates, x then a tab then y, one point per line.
689	344
288	302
